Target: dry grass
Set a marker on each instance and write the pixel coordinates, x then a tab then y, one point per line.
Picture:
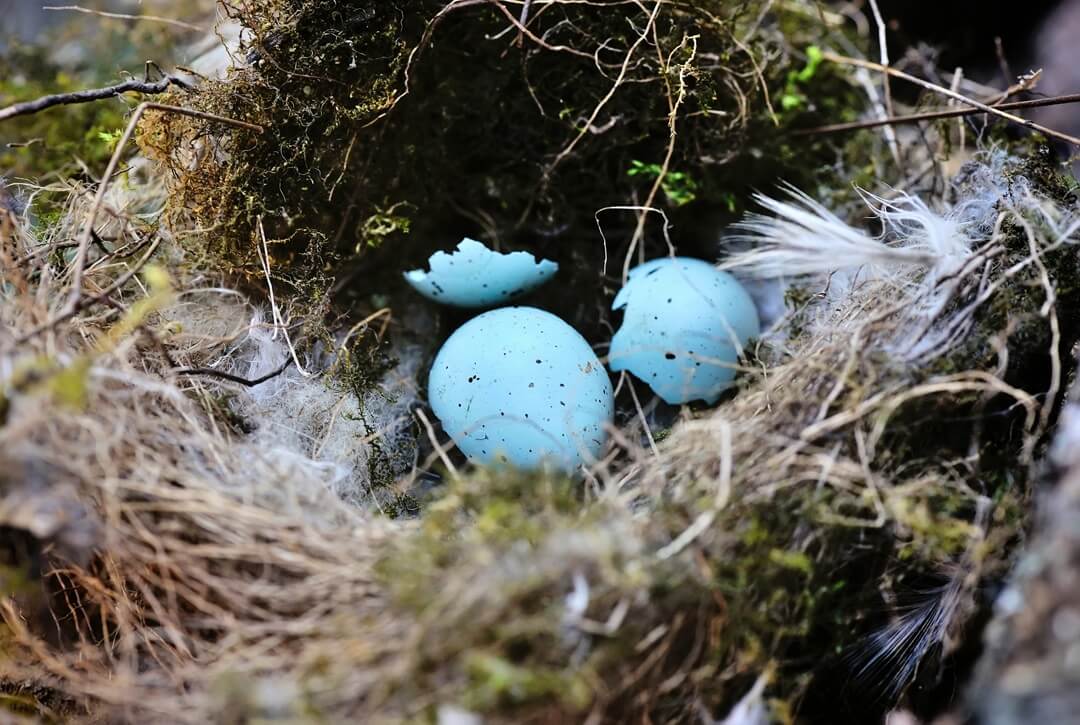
224	579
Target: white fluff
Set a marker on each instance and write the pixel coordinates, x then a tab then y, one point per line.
311	429
311	420
919	264
803	238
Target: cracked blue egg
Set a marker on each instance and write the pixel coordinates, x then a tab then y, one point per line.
685	322
475	276
519	386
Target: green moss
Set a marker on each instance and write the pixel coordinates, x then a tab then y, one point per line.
496	683
357	371
488	574
491	138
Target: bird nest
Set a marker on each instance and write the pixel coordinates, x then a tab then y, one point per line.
217	510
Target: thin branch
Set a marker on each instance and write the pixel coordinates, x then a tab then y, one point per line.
440	450
890	135
624	69
523	21
124	16
524	31
675	101
95	94
101	297
24	144
870	65
235	378
935	115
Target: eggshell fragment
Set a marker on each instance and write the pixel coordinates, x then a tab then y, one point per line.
518	385
475	276
684	324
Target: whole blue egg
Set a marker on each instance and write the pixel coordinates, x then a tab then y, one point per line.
518	385
685	323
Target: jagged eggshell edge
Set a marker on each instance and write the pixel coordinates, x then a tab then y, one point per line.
475	276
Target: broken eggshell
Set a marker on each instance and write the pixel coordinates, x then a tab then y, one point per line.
684	324
475	276
518	385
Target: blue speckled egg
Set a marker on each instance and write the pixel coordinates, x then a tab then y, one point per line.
475	276
684	325
518	385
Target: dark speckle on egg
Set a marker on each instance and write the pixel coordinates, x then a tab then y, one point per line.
516	391
698	304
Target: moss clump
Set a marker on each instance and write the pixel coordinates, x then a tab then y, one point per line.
530	600
391	121
535	601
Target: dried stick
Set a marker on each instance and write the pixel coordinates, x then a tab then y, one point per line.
440	450
95	94
124	16
675	101
890	134
870	65
211	372
936	115
624	69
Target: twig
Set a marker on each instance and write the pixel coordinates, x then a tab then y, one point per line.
642	209
870	65
279	320
624	69
935	115
675	101
523	21
95	94
890	135
440	450
235	378
124	16
102	296
641	415
524	31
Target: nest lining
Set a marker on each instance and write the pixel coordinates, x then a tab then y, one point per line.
882	440
671	582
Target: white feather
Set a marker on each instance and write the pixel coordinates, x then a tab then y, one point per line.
803	238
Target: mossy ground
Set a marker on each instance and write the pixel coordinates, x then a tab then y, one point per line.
88	52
